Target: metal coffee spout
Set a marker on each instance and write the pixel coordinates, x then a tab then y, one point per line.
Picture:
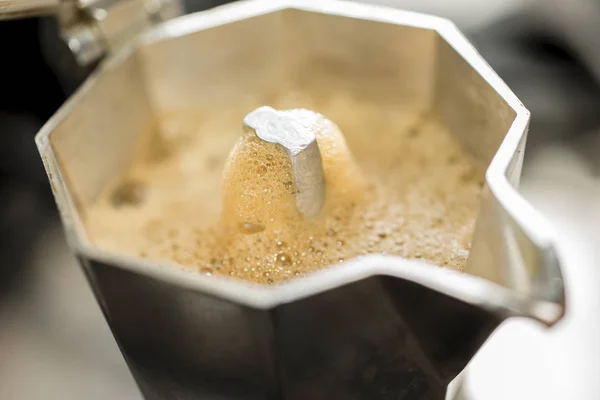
373	327
300	142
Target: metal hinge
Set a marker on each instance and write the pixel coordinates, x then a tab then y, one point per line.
94	28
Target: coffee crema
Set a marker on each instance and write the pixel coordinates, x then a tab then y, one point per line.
397	183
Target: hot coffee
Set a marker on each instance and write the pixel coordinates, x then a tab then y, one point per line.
397	182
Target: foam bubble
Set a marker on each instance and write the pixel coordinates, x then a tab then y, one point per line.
406	188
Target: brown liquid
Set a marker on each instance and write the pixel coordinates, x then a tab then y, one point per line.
415	193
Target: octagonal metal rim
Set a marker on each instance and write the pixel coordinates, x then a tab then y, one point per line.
468	288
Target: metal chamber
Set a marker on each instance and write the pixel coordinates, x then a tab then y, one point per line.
378	327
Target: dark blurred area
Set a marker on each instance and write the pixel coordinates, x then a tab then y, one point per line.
30	93
547	67
545	50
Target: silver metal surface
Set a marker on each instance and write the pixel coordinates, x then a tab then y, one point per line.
84	44
522	360
300	142
375	327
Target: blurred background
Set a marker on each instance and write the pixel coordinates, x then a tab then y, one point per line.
54	343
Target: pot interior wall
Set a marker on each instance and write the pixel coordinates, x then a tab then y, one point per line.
264	56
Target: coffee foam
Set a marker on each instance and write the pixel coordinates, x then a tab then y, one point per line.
406	189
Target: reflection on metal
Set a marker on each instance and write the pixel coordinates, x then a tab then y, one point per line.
301	144
375	327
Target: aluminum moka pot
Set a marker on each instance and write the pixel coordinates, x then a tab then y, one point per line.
377	327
